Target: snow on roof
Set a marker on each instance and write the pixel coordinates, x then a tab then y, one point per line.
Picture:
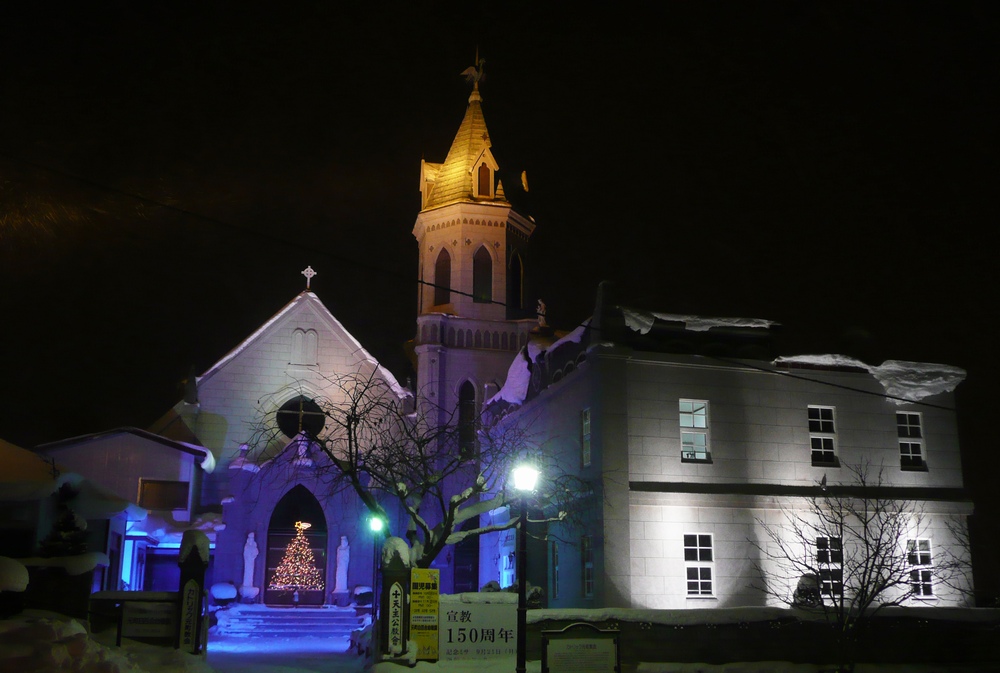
642	321
171	531
301	298
515	386
73	565
903	381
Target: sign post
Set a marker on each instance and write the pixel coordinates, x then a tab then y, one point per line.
424	608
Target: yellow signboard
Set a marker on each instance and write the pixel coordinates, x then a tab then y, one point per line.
424	594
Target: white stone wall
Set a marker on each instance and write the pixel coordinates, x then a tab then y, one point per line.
758	426
659	522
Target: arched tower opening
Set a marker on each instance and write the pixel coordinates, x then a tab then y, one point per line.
442	278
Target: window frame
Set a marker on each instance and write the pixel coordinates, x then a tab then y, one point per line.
585	434
694	431
143	496
830	563
822	435
912	451
921	564
587	583
699	557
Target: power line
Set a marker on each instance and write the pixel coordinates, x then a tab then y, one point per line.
382	271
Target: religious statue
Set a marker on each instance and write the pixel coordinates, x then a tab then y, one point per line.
343	560
248	590
540	311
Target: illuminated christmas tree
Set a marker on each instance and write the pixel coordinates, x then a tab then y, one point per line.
297	570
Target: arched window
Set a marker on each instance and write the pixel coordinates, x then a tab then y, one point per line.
442	278
467	420
298	414
482	276
514	285
485	181
305	345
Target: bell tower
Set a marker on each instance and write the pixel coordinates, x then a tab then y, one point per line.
471	242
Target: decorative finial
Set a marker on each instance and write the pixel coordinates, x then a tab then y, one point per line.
474	73
309	273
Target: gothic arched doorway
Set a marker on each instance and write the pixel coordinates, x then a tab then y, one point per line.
296	505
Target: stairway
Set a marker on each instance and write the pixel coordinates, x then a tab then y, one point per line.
258	621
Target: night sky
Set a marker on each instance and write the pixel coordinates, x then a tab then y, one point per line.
166	172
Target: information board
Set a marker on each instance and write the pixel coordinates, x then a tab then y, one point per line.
149	620
582	655
478	630
424	597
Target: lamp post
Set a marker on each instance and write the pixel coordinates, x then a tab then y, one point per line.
377	525
524	477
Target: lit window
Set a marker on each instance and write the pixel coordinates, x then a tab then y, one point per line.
911	443
693	414
587	565
699	561
822	436
585	437
830	559
918	555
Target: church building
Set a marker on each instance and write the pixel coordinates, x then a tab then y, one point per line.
694	434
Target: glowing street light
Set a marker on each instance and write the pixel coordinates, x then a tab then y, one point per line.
524	478
377	525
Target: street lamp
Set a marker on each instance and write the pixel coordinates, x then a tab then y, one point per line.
377	525
525	477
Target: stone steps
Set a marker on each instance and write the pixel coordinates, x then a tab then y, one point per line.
264	622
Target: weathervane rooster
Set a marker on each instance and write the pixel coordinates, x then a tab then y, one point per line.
474	73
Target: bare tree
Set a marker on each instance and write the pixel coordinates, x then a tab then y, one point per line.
389	448
851	551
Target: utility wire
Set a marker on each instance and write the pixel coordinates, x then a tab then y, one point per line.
379	270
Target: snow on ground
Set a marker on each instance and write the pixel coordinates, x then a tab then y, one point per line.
45	642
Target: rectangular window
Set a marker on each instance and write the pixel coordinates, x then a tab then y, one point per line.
555	569
587	565
693	417
830	559
918	555
161	494
911	442
699	561
585	437
822	436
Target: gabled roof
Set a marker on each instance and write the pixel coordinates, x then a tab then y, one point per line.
304	299
452	179
199	452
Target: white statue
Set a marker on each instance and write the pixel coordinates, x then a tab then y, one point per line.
343	560
248	590
540	312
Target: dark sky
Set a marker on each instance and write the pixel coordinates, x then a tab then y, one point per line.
166	172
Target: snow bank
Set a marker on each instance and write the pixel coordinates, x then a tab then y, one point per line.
13	575
515	387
